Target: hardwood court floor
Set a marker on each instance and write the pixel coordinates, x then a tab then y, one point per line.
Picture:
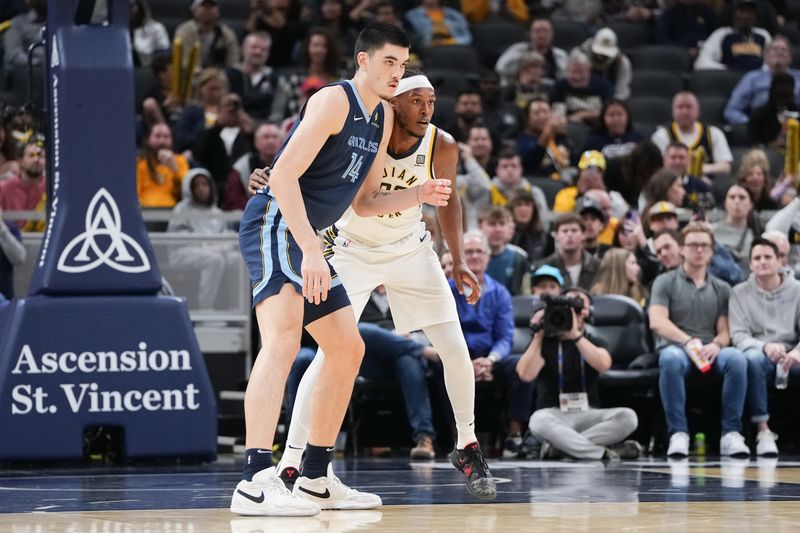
647	495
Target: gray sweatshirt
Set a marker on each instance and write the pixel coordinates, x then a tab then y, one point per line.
757	316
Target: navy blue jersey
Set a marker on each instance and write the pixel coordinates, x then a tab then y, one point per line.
339	169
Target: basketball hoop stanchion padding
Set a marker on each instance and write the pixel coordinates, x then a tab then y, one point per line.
93	344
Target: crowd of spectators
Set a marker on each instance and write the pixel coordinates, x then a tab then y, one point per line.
589	163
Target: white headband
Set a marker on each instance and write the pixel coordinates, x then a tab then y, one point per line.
418	81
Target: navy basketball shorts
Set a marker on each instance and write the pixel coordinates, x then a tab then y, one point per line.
273	258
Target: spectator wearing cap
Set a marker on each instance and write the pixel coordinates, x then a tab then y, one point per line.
437	25
698	193
737	47
543	144
686	128
753	89
219	46
546	280
595	209
686	23
540	40
591	165
609	62
580	95
577	266
661	216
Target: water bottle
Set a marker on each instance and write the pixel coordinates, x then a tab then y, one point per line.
781	377
700	444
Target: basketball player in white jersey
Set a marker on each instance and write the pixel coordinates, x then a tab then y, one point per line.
395	251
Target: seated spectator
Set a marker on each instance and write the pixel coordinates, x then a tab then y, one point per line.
25	30
737	47
546	280
160	103
333	16
595	209
528	81
9	165
739	227
687	129
638	11
630	236
633	172
753	175
752	91
149	37
609	62
254	81
577	266
765	325
665	186
508	264
219	46
530	232
668	249
686	23
210	85
280	19
488	328
567	417
479	10
509	179
540	40
320	58
437	25
614	135
159	170
473	178
226	141
543	144
12	253
500	116
580	95
689	311
787	222
211	258
767	123
446	260
25	191
268	139
591	165
620	273
698	193
468	113
659	217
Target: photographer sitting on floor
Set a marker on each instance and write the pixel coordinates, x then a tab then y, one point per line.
566	360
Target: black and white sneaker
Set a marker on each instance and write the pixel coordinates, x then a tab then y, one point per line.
480	482
266	495
328	492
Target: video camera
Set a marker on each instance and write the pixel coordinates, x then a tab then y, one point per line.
558	314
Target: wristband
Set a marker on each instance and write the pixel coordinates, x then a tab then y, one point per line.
576	339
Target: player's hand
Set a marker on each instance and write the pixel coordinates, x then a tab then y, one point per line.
466	282
434	192
259	180
316	276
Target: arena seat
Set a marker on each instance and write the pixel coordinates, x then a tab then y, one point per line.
650	109
567	35
713	82
522	304
491	39
661	57
655	83
549	187
711	108
451	82
463	59
632	34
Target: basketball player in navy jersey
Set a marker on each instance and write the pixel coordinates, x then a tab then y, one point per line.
332	158
395	251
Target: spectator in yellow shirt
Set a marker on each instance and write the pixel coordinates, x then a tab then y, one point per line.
159	170
592	166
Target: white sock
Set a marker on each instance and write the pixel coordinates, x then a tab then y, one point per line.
459	378
297	438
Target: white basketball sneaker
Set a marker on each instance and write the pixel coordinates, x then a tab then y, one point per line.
328	492
267	496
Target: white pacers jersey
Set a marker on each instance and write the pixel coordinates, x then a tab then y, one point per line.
401	171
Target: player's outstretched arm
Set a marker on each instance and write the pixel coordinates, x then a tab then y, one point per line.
324	116
445	162
371	200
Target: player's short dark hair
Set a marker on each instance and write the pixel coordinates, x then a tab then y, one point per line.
412	72
378	34
761	241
